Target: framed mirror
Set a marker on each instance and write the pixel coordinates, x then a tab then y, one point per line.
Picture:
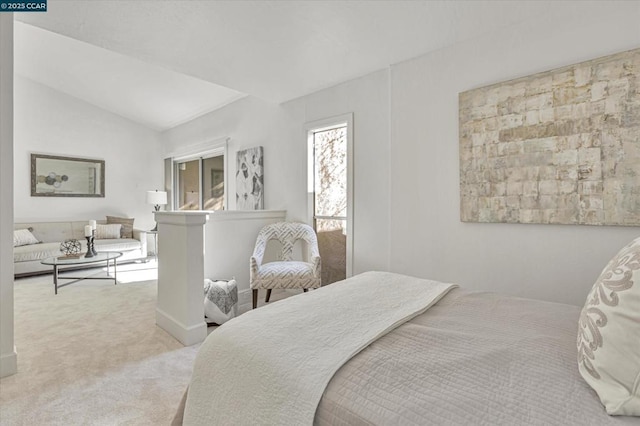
55	176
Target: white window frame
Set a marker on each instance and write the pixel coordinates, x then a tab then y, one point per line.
319	126
201	152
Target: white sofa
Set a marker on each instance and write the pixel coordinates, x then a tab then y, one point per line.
26	259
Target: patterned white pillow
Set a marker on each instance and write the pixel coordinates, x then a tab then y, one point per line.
23	237
220	300
108	232
609	334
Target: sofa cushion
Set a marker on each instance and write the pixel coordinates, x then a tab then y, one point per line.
127	225
49	232
42	251
24	237
108	232
36	252
117	244
285	274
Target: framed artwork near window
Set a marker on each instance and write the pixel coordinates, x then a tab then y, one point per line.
250	179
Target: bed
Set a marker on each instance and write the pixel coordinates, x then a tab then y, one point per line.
467	358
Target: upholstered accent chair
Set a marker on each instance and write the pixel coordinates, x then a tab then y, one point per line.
286	272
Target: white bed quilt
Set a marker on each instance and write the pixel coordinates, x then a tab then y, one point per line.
271	365
472	359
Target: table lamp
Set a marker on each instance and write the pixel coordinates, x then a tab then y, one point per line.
157	198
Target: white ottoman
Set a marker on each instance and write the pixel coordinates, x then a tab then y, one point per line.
220	300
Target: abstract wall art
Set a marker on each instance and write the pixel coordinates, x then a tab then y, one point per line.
250	179
558	147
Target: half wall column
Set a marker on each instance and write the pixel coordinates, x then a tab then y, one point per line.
180	308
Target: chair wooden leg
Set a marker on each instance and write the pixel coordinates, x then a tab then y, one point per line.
266	299
255	298
305	289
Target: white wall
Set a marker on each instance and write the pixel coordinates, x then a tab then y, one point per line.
406	157
247	122
8	356
552	262
280	130
51	122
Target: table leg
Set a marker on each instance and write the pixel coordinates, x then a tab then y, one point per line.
115	271
55	277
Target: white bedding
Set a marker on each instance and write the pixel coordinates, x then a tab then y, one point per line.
271	365
472	359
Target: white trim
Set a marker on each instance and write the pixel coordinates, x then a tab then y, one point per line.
245	302
183	217
9	363
196	150
213	152
220	215
170	191
186	335
213	148
326	124
227	175
8	356
245	297
200	183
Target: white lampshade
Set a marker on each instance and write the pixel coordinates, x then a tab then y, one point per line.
157	197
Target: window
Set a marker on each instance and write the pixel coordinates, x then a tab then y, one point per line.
330	179
213	183
330	195
199	182
188	188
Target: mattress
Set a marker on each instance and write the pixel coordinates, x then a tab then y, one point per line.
473	358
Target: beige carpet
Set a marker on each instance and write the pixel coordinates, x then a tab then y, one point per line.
92	355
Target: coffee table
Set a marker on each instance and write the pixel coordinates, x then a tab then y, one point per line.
59	261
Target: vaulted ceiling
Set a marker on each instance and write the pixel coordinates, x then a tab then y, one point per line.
162	63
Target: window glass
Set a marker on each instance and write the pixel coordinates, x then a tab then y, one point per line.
330	200
189	185
330	154
213	183
200	184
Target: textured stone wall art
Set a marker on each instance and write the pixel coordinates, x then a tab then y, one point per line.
560	147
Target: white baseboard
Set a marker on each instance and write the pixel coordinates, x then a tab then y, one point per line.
186	335
244	300
9	363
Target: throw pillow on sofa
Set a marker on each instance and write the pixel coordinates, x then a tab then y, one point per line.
24	237
108	232
127	225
